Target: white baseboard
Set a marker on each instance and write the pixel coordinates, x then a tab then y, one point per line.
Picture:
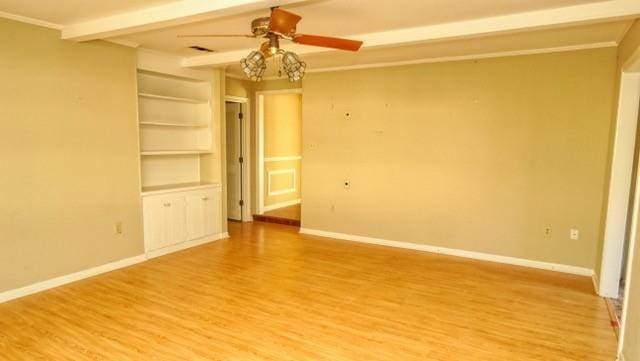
621	357
184	245
596	282
281	205
63	280
454	252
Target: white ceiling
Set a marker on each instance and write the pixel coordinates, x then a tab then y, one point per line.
340	18
393	31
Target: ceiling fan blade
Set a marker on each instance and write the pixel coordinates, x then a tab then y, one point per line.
216	36
283	22
328	42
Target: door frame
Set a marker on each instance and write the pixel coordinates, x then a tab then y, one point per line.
630	74
246	214
260	142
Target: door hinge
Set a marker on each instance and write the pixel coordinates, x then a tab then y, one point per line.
241	160
241	203
240	116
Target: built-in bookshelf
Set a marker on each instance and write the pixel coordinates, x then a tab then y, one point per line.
175	129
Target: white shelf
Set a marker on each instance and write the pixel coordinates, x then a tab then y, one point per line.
175	152
168	124
176	129
167	188
172	99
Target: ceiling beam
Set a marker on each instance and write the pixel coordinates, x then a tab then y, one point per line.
161	16
565	16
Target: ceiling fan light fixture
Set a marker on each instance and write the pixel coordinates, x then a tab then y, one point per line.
254	65
293	66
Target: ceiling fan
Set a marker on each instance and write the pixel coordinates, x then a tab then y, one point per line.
281	25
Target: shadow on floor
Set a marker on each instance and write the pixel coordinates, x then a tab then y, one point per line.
286	215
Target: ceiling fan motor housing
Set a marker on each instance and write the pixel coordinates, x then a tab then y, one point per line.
260	26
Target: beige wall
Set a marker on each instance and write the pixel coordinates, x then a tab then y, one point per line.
475	155
68	155
631	347
282	138
238	87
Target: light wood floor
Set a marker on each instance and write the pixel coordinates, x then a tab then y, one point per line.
269	293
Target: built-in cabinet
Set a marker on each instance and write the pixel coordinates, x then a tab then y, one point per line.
179	217
175	126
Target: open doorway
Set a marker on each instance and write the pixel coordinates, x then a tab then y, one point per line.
279	145
237	142
623	201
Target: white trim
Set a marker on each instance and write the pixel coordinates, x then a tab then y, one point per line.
294	187
500	54
282	159
596	282
280	91
282	205
630	253
246	215
620	185
260	151
245	106
69	278
32	21
502	24
94	271
127	43
454	252
235	99
184	245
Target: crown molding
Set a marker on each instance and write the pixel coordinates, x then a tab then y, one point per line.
28	20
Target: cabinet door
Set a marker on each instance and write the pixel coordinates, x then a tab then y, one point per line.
175	213
213	212
155	229
196	203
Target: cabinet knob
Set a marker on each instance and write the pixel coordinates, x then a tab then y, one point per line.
205	199
167	204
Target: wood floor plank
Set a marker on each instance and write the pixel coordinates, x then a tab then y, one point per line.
269	293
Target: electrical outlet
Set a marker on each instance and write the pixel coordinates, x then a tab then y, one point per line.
118	227
346	184
574	234
547	231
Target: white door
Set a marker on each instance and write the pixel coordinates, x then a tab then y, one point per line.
155	228
234	165
213	212
196	203
175	219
